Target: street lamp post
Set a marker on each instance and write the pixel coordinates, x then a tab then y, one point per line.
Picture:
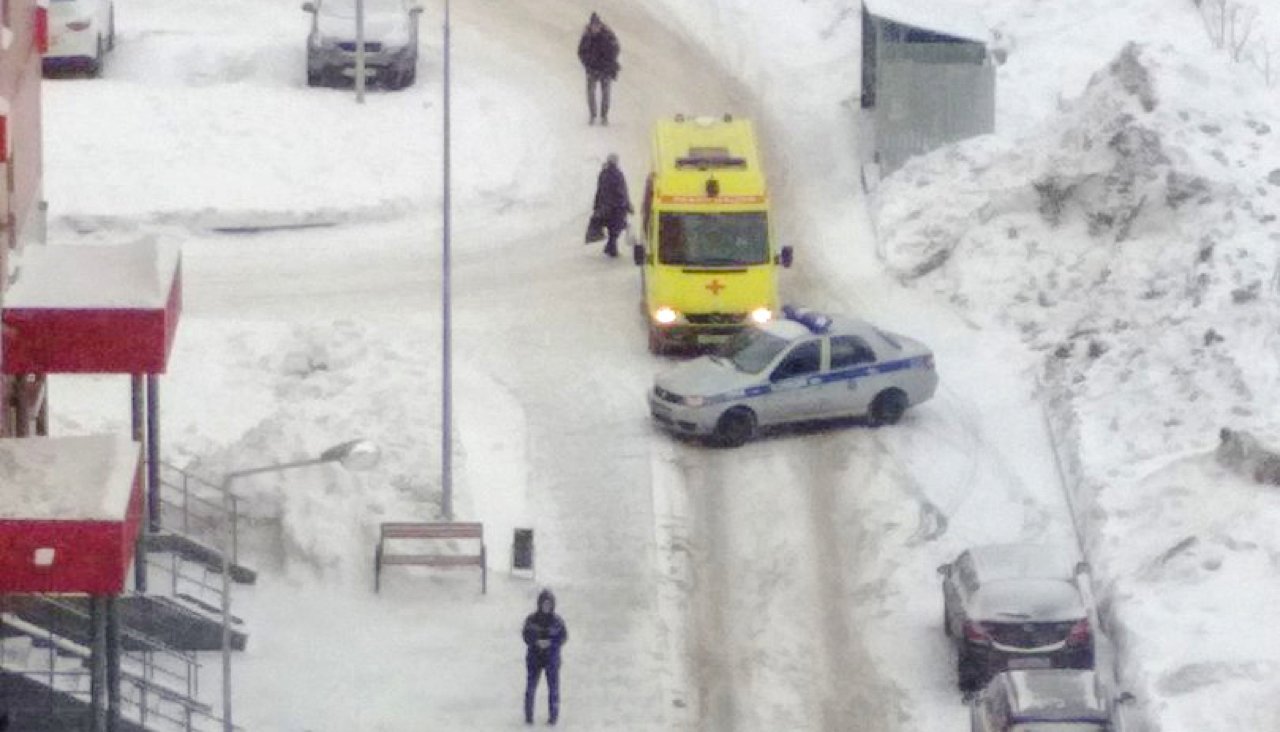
446	401
360	65
353	455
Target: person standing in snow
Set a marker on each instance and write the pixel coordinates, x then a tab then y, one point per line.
544	633
598	51
612	203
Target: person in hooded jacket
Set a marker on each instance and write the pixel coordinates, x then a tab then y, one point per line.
544	633
612	203
598	51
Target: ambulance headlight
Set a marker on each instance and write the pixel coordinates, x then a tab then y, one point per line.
760	316
665	315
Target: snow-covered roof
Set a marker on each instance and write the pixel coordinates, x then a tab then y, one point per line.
136	275
1028	600
1060	693
67	478
1013	561
940	16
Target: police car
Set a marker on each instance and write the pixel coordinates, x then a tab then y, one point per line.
804	366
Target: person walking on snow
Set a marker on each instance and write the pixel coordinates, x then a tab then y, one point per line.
544	633
613	202
598	51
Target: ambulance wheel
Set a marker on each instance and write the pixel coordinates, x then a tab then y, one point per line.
888	407
735	427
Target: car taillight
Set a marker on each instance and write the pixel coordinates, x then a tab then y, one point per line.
1079	634
975	633
78	25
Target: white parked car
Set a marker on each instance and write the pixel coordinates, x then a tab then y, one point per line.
803	367
80	34
390	42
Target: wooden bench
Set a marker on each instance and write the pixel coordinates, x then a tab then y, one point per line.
405	530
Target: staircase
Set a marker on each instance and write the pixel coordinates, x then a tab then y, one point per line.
147	622
45	679
46	686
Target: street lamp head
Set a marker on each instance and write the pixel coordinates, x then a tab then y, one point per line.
354	454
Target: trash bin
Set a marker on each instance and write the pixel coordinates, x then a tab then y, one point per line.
522	550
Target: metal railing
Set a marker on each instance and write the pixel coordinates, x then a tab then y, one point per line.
158	662
64	668
193	507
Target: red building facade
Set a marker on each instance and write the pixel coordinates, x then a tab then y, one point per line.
22	39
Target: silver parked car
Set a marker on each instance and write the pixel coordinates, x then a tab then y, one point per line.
390	42
805	366
1046	700
1015	606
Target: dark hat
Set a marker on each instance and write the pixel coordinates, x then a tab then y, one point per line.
595	18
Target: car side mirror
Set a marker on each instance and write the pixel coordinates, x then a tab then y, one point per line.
784	258
1126	698
944	570
416	10
637	254
1082	568
309	7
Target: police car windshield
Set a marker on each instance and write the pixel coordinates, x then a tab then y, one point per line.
752	350
733	239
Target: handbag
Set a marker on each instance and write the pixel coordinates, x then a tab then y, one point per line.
595	230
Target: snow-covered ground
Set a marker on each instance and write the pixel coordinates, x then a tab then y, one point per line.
1104	261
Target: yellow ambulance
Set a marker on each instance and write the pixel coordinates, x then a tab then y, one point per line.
708	261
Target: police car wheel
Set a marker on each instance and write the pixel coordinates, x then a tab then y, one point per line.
735	427
888	407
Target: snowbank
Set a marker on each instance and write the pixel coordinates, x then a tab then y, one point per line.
1139	226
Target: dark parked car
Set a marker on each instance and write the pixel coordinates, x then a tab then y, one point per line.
1015	606
1044	700
390	42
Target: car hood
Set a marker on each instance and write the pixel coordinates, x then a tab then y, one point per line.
704	376
387	28
1028	600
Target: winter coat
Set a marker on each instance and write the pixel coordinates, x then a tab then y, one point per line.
549	627
598	51
613	202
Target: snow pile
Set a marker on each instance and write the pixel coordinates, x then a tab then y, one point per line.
1139	230
1142	229
321	385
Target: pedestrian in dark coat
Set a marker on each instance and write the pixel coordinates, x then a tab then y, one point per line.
598	51
612	204
544	633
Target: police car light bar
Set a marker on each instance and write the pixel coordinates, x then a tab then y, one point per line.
815	321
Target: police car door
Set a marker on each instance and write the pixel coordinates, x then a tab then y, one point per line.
850	383
795	391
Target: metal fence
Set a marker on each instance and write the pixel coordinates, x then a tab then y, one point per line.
922	105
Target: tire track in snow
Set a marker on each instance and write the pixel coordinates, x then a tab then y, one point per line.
773	641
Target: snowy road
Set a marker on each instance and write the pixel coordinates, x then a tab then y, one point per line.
753	589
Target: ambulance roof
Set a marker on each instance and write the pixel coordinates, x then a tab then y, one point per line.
689	151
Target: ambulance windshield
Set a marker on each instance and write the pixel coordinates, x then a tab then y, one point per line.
713	239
